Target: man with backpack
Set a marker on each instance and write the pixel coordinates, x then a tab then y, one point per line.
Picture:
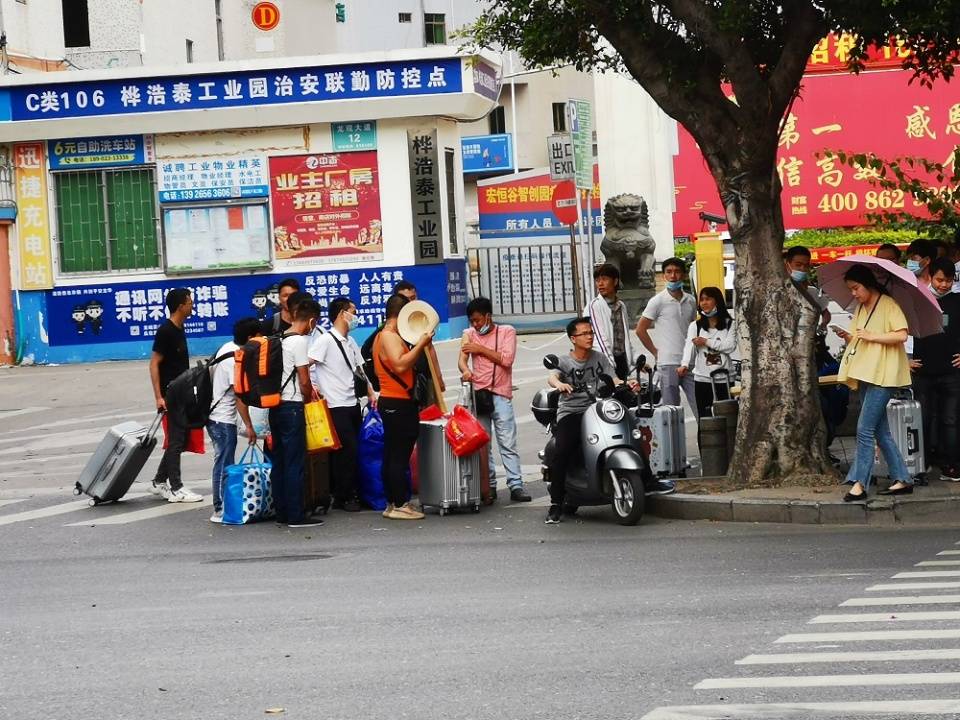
337	374
169	360
282	319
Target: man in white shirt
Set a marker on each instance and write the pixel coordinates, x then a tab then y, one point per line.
287	423
611	324
222	423
335	365
797	260
671	312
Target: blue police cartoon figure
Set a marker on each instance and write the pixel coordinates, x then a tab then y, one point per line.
259	303
273	297
79	317
94	313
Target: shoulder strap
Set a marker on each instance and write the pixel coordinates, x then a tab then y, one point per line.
343	352
387	369
276	321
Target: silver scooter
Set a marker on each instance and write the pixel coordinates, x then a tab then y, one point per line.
612	471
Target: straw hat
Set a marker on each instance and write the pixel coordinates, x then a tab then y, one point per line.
416	318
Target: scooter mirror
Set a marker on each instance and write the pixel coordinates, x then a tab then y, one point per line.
641	363
551	362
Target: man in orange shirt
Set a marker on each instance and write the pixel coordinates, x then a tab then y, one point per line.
491	349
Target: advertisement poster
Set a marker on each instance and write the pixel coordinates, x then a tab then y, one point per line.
212	178
33	225
874	112
124	312
109	151
326	205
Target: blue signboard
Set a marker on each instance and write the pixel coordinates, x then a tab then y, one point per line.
233	89
487	153
132	311
485	80
354	135
100	151
213	178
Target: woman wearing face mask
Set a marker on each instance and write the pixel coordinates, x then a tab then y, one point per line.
875	361
711	339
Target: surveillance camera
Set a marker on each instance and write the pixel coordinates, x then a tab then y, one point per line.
710	217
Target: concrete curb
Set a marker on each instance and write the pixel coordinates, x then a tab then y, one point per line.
876	512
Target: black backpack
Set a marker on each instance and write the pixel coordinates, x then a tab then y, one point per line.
366	353
191	392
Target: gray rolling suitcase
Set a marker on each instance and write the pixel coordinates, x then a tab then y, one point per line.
117	461
906	426
446	481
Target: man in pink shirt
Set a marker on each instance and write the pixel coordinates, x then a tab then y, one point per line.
486	360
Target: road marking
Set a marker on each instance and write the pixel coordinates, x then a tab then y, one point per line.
867	636
897	708
949	552
905	600
233	593
864	656
61	509
926	574
938	563
4	503
145	514
4	414
886	617
798	681
915	586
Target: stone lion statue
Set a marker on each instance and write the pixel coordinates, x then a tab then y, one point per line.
628	243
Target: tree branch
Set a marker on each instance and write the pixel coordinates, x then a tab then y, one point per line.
804	26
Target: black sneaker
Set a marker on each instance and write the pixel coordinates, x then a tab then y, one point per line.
661	487
519	495
553	515
306	522
950	473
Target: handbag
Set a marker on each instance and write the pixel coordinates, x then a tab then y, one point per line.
360	383
464	432
321	434
194	442
483	399
246	489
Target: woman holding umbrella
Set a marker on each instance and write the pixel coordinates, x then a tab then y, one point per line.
875	361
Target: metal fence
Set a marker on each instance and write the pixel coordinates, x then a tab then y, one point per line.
528	284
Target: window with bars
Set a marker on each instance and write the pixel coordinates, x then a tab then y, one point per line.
107	220
559	117
434	28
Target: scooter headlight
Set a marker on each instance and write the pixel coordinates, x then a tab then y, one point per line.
612	411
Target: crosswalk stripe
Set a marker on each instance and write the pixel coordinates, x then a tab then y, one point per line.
949	552
871	635
887	617
897	708
864	656
145	514
938	563
61	509
904	600
797	681
886	587
926	574
4	503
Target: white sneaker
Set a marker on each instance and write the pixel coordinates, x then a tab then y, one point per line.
184	495
161	490
217	518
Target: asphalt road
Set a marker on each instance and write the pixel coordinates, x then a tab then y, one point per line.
146	610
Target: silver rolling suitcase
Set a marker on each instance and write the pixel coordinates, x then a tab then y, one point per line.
117	461
446	481
906	426
664	438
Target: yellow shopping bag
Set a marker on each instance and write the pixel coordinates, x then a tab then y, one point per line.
321	434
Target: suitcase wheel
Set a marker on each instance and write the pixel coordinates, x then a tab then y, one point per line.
77	489
93	502
443	511
475	508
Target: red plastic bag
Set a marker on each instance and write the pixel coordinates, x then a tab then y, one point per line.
464	432
194	444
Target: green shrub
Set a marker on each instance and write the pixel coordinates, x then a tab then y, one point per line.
830	238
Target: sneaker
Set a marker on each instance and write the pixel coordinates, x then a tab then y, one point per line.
184	496
306	522
661	487
390	509
518	494
217	518
950	473
398	513
162	490
492	497
553	515
410	510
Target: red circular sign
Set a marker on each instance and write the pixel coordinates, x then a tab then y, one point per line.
565	202
265	15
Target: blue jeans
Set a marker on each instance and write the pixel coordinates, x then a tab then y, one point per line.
503	425
289	431
224	438
873	430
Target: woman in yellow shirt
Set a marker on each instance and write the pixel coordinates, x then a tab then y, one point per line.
875	361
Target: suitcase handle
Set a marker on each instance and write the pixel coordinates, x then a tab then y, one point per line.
153	429
714	376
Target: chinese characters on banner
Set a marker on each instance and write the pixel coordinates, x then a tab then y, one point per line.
212	178
33	218
832	53
327	206
100	151
875	112
424	163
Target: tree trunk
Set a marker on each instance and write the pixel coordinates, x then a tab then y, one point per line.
781	436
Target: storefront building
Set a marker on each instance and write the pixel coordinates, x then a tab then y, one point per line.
341	171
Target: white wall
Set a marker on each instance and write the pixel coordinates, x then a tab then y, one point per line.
34	28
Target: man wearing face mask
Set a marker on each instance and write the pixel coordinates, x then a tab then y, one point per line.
920	253
935	370
335	367
797	261
490	349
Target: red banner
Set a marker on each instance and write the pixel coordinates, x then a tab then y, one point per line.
823	255
875	112
832	53
326	205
